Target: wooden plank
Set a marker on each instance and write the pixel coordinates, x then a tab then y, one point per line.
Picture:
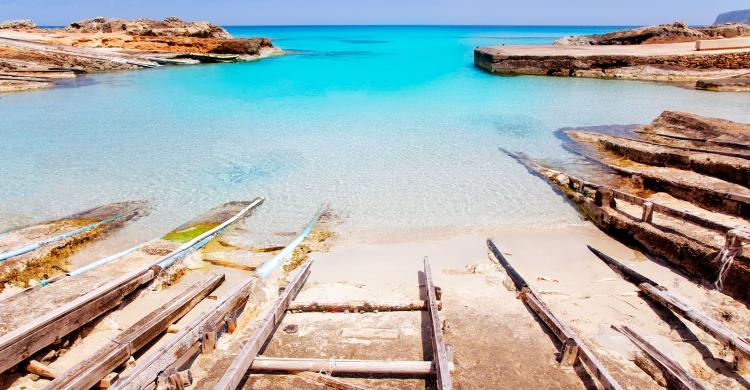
357	306
439	354
244	359
116	352
347	366
659	294
41	332
673	372
570	341
229	264
184	344
40	369
334	383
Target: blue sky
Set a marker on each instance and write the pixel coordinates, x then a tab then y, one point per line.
265	12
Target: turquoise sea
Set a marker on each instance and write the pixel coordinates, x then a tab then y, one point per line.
392	126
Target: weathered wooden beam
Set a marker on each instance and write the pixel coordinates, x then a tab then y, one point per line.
186	343
357	306
570	341
244	359
20	344
329	381
91	370
673	372
659	294
229	264
347	366
439	354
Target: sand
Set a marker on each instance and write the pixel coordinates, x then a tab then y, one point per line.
495	340
498	343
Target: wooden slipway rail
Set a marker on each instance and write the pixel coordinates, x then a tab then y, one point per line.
660	295
674	373
249	359
573	349
104	361
26	340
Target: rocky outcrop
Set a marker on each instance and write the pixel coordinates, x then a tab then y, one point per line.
21	24
696	127
741	16
727	84
169	27
663	33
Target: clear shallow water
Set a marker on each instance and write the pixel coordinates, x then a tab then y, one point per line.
392	126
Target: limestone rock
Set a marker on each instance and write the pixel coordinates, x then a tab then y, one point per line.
169	27
17	24
663	33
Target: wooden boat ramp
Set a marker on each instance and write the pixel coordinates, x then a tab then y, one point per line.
36	252
676	189
84	327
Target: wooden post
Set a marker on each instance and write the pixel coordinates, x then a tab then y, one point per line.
208	342
231	324
648	212
673	372
741	363
242	362
439	354
105	360
569	353
658	294
108	380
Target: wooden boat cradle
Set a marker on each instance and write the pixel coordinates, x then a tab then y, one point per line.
248	358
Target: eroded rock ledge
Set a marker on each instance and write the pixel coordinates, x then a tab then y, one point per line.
33	58
623	55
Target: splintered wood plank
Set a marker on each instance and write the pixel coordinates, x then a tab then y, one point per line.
440	356
244	359
674	373
113	354
573	346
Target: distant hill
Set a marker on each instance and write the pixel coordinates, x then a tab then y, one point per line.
742	16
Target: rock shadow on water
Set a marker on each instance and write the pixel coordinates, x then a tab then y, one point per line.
251	171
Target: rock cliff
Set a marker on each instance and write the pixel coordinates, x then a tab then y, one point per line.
742	16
